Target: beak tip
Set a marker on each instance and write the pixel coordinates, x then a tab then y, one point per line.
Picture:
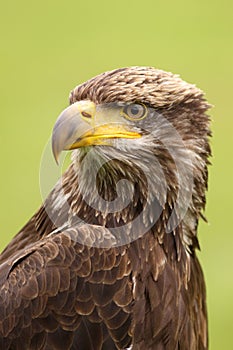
56	160
56	152
56	156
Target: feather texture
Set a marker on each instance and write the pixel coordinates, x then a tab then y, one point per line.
61	289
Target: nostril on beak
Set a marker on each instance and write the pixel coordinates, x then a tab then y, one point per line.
86	114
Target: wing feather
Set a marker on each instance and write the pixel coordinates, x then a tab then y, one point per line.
59	287
48	286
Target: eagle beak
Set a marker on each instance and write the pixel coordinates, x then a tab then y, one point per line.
86	124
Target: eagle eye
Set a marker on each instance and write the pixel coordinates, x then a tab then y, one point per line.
135	111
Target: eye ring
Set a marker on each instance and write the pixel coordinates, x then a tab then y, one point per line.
135	111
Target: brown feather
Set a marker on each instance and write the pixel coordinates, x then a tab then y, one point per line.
59	290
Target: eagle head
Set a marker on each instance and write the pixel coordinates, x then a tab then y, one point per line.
140	137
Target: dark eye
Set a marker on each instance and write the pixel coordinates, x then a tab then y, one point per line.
135	111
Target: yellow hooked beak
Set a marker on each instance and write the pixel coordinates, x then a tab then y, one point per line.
86	124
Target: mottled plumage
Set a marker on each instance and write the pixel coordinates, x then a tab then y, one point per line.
82	276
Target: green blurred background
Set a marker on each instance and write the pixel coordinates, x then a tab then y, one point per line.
48	47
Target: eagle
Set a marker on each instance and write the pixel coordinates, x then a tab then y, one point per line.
109	260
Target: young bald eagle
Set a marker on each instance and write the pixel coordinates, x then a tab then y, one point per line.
108	261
